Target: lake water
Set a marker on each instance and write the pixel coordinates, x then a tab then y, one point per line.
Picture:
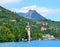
36	43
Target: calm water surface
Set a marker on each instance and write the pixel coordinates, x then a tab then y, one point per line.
36	43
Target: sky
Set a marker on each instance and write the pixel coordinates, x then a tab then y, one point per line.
47	8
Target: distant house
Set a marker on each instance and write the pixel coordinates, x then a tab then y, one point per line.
44	23
48	37
38	22
13	20
43	28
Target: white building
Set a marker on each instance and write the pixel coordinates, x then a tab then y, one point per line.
48	37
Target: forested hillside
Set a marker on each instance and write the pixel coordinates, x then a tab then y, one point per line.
12	27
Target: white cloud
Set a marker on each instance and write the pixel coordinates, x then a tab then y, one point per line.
42	10
9	1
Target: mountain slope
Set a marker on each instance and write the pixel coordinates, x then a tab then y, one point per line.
32	14
12	27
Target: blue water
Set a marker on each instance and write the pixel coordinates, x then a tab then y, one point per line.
36	43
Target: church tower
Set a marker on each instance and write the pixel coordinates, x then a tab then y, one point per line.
28	31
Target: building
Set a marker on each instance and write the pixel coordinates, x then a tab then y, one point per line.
43	28
48	37
13	20
28	31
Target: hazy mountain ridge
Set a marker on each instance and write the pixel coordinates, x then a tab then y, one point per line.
34	15
21	14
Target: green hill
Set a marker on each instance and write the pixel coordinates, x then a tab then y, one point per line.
12	27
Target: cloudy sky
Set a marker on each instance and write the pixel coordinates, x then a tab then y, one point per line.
47	8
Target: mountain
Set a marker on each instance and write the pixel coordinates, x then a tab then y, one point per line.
33	14
12	26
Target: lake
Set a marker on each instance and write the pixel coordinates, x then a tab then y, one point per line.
35	43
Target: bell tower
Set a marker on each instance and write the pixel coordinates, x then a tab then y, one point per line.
28	30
